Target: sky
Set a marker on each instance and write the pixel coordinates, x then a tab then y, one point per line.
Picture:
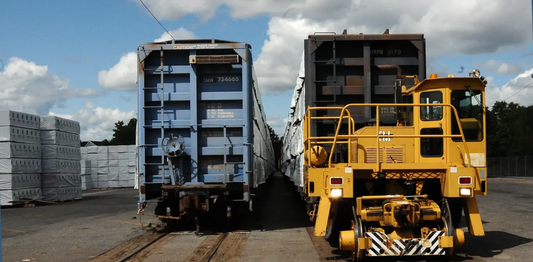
77	59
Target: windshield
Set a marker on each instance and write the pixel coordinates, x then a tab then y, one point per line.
469	105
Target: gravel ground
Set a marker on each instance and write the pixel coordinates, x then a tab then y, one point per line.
507	215
80	230
70	231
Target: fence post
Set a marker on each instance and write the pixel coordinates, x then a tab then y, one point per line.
508	166
501	166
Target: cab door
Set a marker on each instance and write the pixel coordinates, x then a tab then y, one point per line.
430	121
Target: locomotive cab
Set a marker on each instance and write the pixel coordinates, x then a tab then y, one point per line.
404	187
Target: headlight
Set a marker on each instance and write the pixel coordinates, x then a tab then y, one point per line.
465	192
336	192
475	73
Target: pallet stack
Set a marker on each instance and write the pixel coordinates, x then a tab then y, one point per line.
103	167
86	181
20	157
121	166
109	166
61	178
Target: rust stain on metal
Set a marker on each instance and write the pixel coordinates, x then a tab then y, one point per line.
355	81
397	67
141	68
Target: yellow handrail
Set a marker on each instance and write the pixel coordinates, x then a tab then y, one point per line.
351	127
308	117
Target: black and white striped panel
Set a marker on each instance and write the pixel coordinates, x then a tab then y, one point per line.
409	247
433	238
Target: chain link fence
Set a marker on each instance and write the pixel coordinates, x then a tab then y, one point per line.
511	166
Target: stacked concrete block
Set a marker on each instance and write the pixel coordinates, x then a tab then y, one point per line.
132	166
89	159
121	166
20	157
103	167
61	155
86	181
110	166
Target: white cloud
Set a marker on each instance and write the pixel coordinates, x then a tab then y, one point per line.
506	69
277	124
501	67
123	75
509	91
97	123
30	88
277	65
180	33
451	27
206	9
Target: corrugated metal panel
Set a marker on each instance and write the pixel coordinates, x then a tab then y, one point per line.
206	92
391	153
336	70
343	69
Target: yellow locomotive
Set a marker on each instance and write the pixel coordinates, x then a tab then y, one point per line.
402	188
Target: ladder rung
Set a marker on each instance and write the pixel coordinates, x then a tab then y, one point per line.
150	145
149	107
154	164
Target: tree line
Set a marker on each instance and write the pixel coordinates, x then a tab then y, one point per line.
509	131
509	126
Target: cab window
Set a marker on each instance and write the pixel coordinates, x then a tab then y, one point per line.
431	113
469	106
431	146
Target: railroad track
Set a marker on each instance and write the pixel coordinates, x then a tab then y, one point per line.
218	247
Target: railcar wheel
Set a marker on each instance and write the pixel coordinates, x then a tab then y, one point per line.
358	230
448	226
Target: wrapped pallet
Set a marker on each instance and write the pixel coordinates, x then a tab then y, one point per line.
20	157
110	166
61	156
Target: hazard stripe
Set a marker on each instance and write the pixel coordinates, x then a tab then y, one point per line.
395	247
435	246
372	251
379	245
385	238
413	249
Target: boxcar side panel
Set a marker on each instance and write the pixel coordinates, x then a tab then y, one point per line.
337	70
186	90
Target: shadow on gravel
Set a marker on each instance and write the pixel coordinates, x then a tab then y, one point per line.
492	244
279	206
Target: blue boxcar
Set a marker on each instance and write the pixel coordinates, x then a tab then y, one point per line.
202	132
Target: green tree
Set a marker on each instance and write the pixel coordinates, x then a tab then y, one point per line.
277	143
123	134
509	126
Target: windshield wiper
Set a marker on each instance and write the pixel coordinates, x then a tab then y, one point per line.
474	95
